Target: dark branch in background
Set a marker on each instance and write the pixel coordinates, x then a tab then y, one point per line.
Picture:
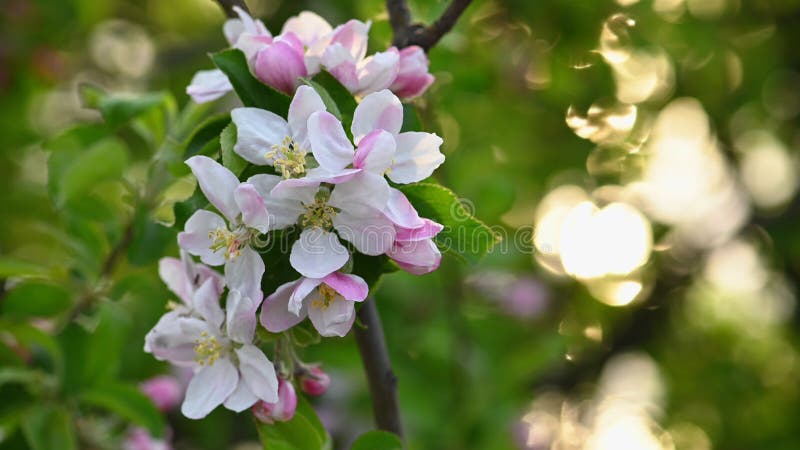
381	378
228	5
407	34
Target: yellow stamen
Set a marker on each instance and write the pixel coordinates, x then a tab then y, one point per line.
328	294
288	158
224	239
318	214
207	348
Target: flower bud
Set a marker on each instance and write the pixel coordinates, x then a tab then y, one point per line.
413	77
282	410
164	391
316	382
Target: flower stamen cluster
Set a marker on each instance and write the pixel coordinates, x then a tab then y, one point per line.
288	157
207	348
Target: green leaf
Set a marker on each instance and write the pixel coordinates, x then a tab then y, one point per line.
377	440
49	428
411	119
371	268
36	340
128	402
36	299
103	161
149	239
30	378
306	410
66	148
230	159
118	110
204	138
296	434
250	90
463	234
13	267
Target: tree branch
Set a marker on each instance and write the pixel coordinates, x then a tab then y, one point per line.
380	377
407	33
227	6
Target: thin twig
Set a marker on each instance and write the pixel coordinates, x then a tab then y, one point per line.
380	377
227	6
407	33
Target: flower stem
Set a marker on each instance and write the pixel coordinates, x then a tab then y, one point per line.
380	377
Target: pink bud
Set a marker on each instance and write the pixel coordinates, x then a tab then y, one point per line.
165	391
315	383
281	411
413	78
281	63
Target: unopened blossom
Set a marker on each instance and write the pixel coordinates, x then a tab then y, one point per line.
350	210
140	439
413	77
405	157
413	248
228	368
280	411
315	382
219	241
165	391
344	56
329	302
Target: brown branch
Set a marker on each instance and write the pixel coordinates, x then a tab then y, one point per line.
407	33
227	6
380	377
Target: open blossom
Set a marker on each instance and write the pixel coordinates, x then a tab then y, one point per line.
345	58
329	302
228	368
413	77
413	248
265	138
382	149
216	241
350	210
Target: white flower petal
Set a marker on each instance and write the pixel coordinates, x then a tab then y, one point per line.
306	101
275	314
208	85
254	211
378	71
401	212
378	111
371	234
329	143
206	302
242	398
375	152
244	273
209	387
217	183
308	26
257	131
364	192
318	253
334	320
417	157
258	372
241	317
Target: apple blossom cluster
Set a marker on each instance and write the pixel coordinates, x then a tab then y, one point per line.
307	43
336	190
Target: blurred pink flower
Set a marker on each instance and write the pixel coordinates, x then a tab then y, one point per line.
165	391
140	439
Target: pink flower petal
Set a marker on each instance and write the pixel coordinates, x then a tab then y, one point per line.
375	152
330	145
351	287
416	158
281	63
275	315
413	77
254	211
401	212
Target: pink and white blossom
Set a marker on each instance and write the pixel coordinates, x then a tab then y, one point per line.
218	344
351	210
219	241
140	439
405	157
413	77
413	248
344	56
329	302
